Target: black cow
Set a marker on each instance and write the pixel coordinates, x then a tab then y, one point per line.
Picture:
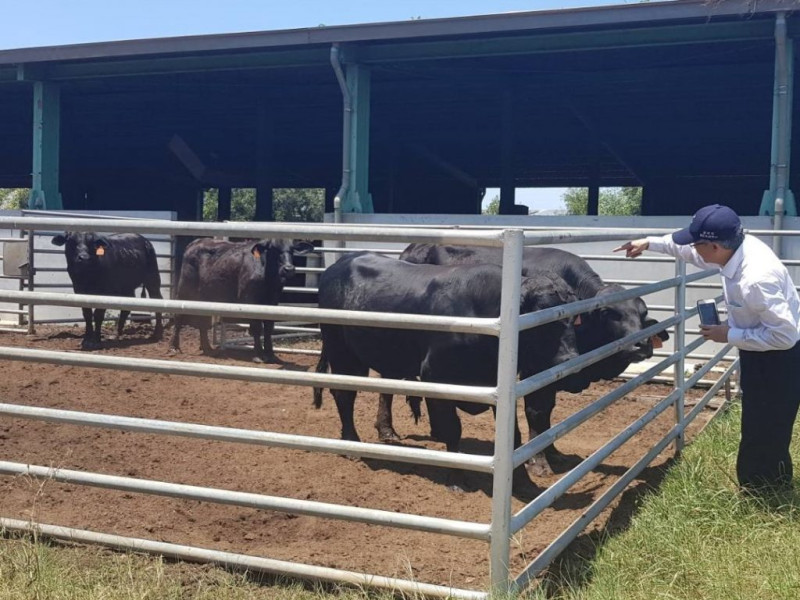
370	282
110	265
597	328
237	272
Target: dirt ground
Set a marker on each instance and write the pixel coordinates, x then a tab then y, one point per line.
303	475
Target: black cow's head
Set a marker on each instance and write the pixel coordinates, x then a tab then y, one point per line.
610	323
275	256
546	345
83	250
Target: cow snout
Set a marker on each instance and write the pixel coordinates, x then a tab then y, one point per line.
83	257
565	352
641	351
286	271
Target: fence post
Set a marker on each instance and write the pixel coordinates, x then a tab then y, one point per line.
31	275
500	533
680	346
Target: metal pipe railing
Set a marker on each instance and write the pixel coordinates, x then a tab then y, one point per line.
498	532
238	561
480	395
436	458
311	508
260	312
506	412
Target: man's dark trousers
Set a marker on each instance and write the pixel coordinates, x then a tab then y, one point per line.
770	397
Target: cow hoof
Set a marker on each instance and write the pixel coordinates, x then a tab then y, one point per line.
388	435
258	360
90	345
539	467
271	359
173	352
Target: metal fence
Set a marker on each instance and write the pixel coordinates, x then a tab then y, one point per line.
503	524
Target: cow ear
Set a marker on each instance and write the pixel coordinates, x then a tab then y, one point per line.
59	239
101	241
302	247
258	250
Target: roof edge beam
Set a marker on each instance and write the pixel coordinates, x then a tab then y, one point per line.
570	41
186	64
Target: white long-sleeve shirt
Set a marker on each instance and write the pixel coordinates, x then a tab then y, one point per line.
763	306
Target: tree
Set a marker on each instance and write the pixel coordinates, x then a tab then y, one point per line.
288	204
305	205
493	208
612	201
14	198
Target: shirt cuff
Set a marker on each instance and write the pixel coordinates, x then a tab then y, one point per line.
735	336
657	243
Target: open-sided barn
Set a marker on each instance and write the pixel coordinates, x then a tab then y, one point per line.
687	99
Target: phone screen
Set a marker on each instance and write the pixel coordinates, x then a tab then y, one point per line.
708	313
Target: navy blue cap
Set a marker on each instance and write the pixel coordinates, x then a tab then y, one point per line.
713	223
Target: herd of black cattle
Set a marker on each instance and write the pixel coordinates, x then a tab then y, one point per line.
426	279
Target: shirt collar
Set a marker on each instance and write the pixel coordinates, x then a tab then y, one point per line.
732	266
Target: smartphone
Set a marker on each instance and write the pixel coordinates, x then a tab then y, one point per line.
707	309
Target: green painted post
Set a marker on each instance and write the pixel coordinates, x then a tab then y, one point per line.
781	134
358	198
46	133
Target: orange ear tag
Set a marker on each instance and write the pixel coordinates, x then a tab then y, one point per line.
256	253
577	320
100	251
657	343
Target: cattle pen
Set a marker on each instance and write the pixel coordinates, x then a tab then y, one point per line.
503	524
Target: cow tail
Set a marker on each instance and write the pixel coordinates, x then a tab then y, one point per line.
322	367
414	403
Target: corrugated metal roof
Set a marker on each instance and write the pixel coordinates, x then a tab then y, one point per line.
494	24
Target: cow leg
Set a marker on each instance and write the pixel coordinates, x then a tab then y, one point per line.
521	479
123	316
205	344
93	340
383	423
538	409
175	342
345	404
88	333
446	427
269	351
264	352
154	291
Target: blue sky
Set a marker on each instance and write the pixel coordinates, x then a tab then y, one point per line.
57	22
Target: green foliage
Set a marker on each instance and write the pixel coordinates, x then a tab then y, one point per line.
493	208
613	201
304	205
14	198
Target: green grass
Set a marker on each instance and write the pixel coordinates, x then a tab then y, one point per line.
37	570
694	538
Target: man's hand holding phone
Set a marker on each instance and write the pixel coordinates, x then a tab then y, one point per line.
710	326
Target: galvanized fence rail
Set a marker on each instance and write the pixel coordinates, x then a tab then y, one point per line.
503	524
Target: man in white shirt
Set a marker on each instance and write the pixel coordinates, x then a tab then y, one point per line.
763	323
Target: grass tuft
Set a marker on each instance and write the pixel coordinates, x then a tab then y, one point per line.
698	537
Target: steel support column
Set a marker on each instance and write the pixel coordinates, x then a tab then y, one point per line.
358	198
45	192
507	186
264	164
779	200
